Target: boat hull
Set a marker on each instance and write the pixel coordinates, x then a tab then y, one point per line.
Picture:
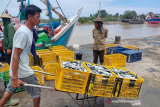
63	40
153	21
136	22
124	20
63	37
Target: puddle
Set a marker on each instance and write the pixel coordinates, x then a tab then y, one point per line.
154	44
152	70
143	51
132	43
149	38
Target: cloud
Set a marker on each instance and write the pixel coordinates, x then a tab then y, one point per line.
70	7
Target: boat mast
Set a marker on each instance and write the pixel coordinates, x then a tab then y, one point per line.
50	16
99	13
6	6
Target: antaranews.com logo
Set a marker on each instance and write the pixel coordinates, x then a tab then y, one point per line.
132	102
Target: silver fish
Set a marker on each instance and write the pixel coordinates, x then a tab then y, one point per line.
99	69
123	74
77	65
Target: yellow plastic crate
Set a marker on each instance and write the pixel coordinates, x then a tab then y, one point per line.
43	50
5	68
70	80
57	74
101	85
51	68
128	88
67	54
57	47
117	60
60	50
31	60
109	45
6	65
131	47
40	76
47	58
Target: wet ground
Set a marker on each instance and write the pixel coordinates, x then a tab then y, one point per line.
148	68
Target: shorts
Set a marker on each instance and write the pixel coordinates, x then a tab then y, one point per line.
2	87
33	91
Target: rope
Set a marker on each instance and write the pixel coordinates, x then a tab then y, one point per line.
52	8
61	9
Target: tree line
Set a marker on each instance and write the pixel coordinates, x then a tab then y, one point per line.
109	17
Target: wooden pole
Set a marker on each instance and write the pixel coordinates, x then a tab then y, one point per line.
117	39
6	6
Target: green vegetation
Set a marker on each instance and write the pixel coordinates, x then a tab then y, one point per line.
104	15
109	17
129	14
44	20
47	20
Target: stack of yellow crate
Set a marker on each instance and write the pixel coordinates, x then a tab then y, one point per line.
50	56
62	51
131	47
46	56
52	65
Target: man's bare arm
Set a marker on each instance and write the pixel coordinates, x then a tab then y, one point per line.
15	63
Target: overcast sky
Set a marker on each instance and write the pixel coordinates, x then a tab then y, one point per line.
90	6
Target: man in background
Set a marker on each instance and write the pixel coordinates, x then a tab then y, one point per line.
8	41
22	13
8	36
100	33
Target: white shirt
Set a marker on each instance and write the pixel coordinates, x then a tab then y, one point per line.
23	40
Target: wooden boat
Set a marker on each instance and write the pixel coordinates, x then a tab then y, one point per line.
136	21
153	19
65	25
124	20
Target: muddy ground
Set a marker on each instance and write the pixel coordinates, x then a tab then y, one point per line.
148	68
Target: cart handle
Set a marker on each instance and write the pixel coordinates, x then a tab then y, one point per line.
44	72
38	86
